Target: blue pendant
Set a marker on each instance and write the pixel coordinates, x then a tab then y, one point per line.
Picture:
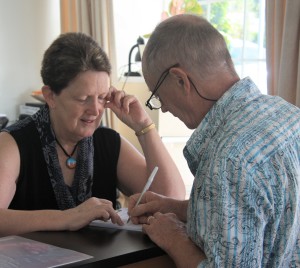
71	163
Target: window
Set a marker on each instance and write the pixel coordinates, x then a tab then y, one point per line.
133	18
242	22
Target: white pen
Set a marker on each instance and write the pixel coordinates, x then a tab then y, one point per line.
148	183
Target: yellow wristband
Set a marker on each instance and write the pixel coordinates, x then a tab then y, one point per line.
145	130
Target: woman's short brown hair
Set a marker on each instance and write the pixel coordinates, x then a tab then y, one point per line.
70	54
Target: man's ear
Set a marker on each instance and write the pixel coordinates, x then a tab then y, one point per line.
181	79
48	96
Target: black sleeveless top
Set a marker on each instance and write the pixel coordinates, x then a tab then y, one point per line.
34	190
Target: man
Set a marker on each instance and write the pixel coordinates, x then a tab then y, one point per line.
244	207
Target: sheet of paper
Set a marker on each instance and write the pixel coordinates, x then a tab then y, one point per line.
17	251
124	216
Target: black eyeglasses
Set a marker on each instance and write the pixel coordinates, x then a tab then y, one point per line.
154	103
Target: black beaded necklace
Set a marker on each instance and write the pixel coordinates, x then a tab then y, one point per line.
70	162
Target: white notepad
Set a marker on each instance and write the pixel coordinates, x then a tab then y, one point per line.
124	216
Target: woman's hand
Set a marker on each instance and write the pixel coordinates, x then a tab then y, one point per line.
128	109
92	209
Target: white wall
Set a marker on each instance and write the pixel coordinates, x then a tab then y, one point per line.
27	28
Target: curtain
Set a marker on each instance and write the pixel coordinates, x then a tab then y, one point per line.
283	49
94	18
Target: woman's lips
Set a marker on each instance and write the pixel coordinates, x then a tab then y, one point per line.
89	121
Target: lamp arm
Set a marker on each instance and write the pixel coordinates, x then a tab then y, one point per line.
129	59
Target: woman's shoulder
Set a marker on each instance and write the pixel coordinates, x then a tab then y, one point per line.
105	131
105	135
107	142
21	129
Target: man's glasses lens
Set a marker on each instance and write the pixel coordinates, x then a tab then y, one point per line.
155	102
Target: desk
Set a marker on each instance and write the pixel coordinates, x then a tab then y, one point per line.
109	247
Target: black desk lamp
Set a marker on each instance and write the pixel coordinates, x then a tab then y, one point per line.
140	41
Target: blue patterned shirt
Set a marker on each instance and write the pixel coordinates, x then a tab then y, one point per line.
244	208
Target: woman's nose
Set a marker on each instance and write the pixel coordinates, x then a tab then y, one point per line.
95	107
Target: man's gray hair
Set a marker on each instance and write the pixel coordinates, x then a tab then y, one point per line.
189	40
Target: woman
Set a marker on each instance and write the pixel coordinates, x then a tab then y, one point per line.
58	169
